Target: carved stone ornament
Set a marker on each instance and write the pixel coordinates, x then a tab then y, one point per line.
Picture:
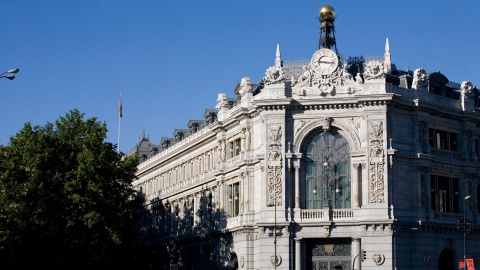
326	231
298	124
326	124
274	75
373	70
222	101
275	165
378	258
427	258
419	78
275	260
245	86
377	163
241	261
467	89
324	76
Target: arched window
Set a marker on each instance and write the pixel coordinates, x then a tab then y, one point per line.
327	171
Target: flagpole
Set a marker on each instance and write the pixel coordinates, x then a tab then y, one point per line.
119	117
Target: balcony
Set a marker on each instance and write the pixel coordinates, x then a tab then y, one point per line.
325	214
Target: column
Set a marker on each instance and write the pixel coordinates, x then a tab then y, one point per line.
173	217
246	194
296	164
181	215
355	253
356	185
204	200
241	197
298	254
195	210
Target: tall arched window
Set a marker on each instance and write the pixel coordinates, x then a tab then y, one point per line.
327	171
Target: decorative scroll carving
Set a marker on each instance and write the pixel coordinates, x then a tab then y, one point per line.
373	70
376	162
274	75
299	125
275	165
355	122
419	78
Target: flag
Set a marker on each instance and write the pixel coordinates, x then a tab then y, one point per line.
120	109
470	265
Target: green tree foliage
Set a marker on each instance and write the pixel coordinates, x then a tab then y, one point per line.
66	199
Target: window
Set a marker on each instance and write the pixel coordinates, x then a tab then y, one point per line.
444	194
235	147
327	171
443	139
233	196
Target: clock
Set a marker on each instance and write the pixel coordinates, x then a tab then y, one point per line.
324	61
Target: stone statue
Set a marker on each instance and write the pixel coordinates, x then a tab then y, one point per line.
419	78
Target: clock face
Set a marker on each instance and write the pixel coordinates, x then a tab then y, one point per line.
324	61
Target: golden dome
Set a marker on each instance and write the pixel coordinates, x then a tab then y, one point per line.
327	12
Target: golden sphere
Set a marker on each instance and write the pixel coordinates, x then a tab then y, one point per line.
327	12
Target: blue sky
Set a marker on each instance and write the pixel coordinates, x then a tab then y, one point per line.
170	59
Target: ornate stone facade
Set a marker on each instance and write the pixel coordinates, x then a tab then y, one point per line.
209	193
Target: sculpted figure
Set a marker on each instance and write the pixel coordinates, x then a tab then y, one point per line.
419	78
345	74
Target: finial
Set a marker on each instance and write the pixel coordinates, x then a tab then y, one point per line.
327	12
278	60
388	58
143	135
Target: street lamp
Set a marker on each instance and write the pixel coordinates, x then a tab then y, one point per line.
9	76
465	232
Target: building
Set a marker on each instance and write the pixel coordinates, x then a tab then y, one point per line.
328	163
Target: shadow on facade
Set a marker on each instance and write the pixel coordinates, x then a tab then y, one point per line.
174	236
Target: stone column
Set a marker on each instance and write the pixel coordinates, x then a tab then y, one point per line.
181	215
356	185
355	253
298	254
246	194
222	196
296	165
242	185
195	210
173	217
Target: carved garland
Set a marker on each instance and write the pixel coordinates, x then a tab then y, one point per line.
275	165
376	162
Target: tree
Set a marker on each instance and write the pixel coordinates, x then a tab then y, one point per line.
66	197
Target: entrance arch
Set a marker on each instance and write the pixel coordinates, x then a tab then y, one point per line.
446	261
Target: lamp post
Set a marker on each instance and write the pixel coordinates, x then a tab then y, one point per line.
465	232
329	167
9	74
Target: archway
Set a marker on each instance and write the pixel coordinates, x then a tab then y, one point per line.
446	260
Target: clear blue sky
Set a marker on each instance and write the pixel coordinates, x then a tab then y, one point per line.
170	59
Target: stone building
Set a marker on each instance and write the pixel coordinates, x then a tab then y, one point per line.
326	163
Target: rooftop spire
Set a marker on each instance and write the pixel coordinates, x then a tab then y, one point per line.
278	60
388	58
